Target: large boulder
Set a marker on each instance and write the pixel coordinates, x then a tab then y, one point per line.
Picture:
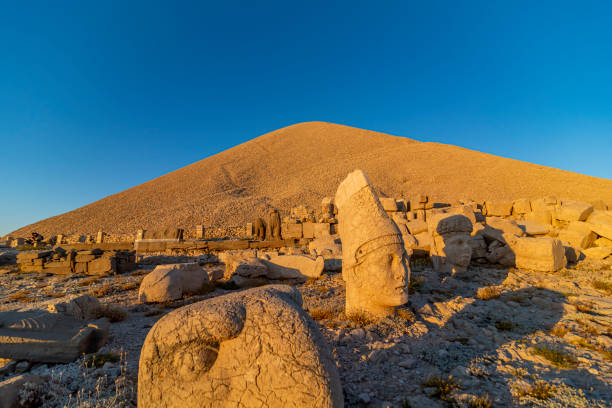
521	206
539	254
578	234
598	252
498	208
44	337
533	228
253	348
82	307
294	266
540	216
171	282
326	246
570	210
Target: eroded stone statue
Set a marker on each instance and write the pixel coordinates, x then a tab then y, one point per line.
259	229
375	264
274	225
255	348
450	249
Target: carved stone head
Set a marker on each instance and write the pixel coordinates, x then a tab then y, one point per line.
451	251
375	264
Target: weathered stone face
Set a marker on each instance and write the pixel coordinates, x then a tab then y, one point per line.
374	261
451	249
250	349
380	282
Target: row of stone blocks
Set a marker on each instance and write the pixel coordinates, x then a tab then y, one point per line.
87	262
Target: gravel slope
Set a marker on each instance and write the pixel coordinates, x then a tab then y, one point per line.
303	163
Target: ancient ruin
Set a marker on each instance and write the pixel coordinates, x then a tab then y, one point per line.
252	348
374	262
450	250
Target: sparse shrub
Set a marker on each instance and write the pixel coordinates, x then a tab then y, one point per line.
444	386
32	248
560	330
406	314
504	325
129	285
559	358
480	402
584	307
415	284
360	318
98	359
21	296
602	285
585	344
322	288
101	290
488	292
323	313
114	313
587	328
518	372
540	390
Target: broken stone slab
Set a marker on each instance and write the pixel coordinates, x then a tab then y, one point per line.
504	226
521	206
578	235
84	307
291	230
602	230
171	282
44	337
9	389
571	210
250	348
102	266
597	252
603	242
251	268
294	266
538	254
326	246
416	226
25	256
541	216
598	217
389	204
496	208
533	228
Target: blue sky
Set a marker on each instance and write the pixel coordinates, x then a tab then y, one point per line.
96	97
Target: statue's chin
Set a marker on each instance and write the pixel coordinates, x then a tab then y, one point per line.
395	299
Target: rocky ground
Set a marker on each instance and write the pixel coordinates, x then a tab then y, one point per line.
491	337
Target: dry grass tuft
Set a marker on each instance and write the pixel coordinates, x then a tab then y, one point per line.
560	330
488	292
129	286
88	281
583	307
602	285
323	313
98	359
360	318
480	402
594	347
406	314
415	284
557	357
444	386
540	390
101	290
50	292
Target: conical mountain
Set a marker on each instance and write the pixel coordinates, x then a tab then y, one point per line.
301	164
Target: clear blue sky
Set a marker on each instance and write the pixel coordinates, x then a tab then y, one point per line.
96	97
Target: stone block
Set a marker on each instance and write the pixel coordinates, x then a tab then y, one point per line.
83	307
388	204
321	229
599	205
102	266
603	242
533	228
598	217
577	238
504	226
539	254
498	208
598	253
44	337
294	266
570	210
308	230
543	204
80	268
291	231
423	241
84	258
521	206
171	282
540	216
30	255
416	226
603	230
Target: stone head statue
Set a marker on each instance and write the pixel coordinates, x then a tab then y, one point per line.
375	264
450	251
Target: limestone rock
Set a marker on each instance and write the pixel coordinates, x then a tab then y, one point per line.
294	266
570	210
326	246
603	242
598	217
251	268
82	307
539	254
388	204
171	282
602	230
41	336
498	208
521	206
533	228
578	234
540	216
598	252
504	226
251	349
416	226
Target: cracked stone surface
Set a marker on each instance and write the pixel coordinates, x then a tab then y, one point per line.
255	348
